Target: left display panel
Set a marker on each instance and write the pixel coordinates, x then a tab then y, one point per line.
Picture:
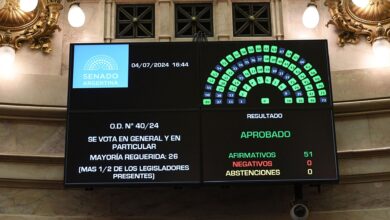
133	115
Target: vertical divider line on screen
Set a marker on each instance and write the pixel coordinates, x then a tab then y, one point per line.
199	86
70	82
331	110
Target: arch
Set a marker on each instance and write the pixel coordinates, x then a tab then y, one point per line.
101	62
229	69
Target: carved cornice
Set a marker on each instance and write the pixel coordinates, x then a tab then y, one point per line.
36	27
354	22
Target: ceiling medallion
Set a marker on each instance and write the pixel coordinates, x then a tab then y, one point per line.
353	22
36	28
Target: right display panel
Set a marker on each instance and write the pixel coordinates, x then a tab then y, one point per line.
267	112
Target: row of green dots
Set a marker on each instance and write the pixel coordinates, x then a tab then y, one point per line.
260	80
267	69
266	48
249	50
296	70
273	59
299	100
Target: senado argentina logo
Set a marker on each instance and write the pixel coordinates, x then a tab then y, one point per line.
101	62
101	70
100	66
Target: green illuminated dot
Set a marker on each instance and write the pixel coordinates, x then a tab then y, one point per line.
320	85
313	72
224	63
312	100
275	82
206	101
280	61
305	81
260	80
292	81
222	83
286	63
251	49
214	74
282	87
297	71
288	100
211	80
309	87
322	92
266	48
308	66
292	67
246	73
295	57
253	70
230	58
243	51
229	72
225	77
260	69
253	82
236	82
267	69
302	76
220	89
273	59
265	101
311	93
266	59
247	87
300	100
317	78
232	88
268	80
289	53
274	49
258	48
243	94
236	54
296	87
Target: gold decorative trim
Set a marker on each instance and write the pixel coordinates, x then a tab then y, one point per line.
35	28
353	22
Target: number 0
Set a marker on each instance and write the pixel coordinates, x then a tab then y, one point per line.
310	171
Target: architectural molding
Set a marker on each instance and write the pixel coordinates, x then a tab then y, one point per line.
32	112
58	113
364	153
33	159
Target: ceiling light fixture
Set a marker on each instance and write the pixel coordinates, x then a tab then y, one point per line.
28	5
381	45
311	16
361	3
76	16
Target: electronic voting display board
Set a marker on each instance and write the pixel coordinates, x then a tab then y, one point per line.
200	113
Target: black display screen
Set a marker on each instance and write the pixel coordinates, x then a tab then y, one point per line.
215	112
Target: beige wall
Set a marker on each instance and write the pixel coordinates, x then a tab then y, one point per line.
32	132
